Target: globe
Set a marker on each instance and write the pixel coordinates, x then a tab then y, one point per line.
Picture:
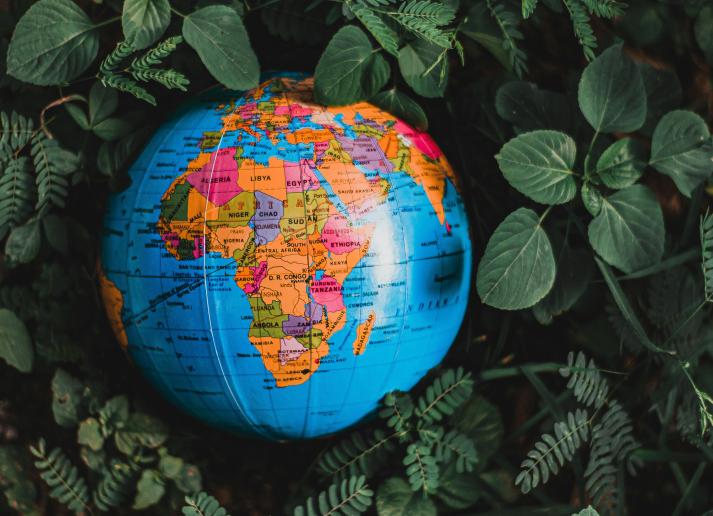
277	266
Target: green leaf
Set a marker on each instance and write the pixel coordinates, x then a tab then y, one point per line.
458	490
53	43
592	198
103	101
528	108
149	489
383	34
663	93
681	148
24	242
622	163
587	511
518	267
144	21
56	233
395	498
342	69
89	434
703	32
611	93
67	398
377	75
424	67
111	129
78	115
170	466
628	232
574	270
15	342
539	165
217	34
481	27
141	430
481	421
402	106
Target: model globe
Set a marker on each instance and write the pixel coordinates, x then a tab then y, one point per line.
277	266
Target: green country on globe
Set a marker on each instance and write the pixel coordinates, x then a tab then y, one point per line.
277	266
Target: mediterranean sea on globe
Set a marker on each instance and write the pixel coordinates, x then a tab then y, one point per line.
276	266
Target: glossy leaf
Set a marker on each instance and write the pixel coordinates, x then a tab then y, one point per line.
622	163
402	106
681	148
218	35
611	93
15	342
539	164
424	67
145	21
628	232
518	267
53	43
342	69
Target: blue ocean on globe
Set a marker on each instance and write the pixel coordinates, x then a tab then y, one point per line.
276	266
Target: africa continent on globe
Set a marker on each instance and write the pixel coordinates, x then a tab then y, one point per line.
276	266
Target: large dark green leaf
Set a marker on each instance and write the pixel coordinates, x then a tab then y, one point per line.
622	163
219	37
24	242
144	21
663	93
424	67
611	93
53	43
628	232
539	164
528	108
401	105
682	149
340	73
518	267
396	498
15	343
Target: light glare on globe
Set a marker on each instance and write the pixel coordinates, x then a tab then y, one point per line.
277	266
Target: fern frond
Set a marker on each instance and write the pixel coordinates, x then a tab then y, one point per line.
459	446
127	85
53	166
171	79
605	8
384	34
551	453
16	194
356	455
585	380
15	132
421	467
706	230
426	19
397	411
350	496
157	54
203	504
507	22
446	393
117	56
115	486
61	476
581	26
612	445
375	3
528	7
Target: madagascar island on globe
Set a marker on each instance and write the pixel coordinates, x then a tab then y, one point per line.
276	266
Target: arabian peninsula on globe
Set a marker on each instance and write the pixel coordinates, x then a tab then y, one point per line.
276	266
